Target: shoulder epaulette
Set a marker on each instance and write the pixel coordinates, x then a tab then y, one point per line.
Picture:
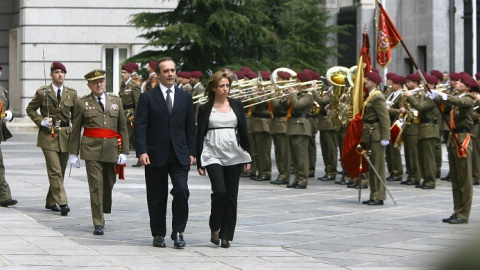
70	89
85	96
42	88
112	95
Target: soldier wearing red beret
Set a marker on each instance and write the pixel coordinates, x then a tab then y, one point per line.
376	136
299	130
396	110
152	80
460	156
56	103
410	132
5	193
135	76
427	135
129	93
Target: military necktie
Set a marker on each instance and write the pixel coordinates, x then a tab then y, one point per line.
123	86
169	101
100	103
58	94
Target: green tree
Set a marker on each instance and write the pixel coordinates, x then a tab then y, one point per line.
207	34
305	34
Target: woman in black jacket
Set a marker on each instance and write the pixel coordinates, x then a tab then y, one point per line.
222	149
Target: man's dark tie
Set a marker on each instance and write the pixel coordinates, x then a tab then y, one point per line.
100	103
123	86
58	95
169	101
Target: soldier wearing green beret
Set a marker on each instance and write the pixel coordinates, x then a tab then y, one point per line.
103	143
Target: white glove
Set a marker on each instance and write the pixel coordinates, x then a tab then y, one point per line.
122	159
384	142
432	95
46	122
8	116
75	161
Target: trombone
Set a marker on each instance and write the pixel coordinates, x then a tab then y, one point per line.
316	88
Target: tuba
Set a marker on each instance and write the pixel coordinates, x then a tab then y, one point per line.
337	77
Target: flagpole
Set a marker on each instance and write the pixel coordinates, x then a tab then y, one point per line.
425	85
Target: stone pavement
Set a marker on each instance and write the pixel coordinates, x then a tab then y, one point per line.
322	227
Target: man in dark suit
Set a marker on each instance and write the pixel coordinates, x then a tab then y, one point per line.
165	145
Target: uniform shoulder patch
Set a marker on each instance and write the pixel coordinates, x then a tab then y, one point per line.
41	88
70	89
86	96
112	95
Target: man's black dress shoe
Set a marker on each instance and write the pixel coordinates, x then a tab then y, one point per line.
404	182
340	182
263	178
254	177
225	244
351	185
64	209
367	202
54	208
300	187
137	165
428	187
447	220
476	183
246	174
9	202
159	241
390	178
375	202
311	175
277	182
411	183
291	185
326	178
458	220
393	179
178	241
446	178
98	230
419	186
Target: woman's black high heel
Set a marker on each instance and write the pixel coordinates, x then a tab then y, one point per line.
225	243
215	239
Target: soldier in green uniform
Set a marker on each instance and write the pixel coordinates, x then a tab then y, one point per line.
186	76
328	138
278	130
460	156
6	115
375	135
396	110
475	134
197	89
410	132
259	128
299	131
55	102
129	93
427	134
102	144
151	81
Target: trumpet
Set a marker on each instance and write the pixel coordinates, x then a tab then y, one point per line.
285	95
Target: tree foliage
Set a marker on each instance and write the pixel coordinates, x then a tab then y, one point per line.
261	34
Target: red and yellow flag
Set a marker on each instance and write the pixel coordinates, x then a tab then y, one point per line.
353	162
387	38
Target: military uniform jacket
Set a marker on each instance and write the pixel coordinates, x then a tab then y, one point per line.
376	112
475	130
129	95
4	132
324	123
198	89
395	105
47	97
299	124
278	124
151	82
260	118
88	114
462	106
410	127
428	112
